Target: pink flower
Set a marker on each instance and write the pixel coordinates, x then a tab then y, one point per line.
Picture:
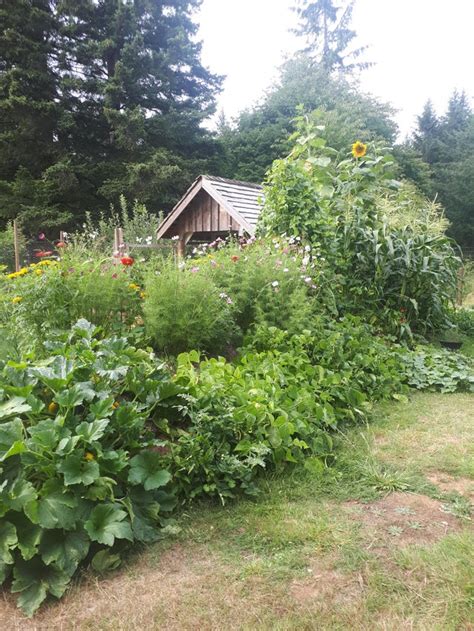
41	236
194	270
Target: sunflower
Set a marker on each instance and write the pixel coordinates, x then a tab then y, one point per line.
359	149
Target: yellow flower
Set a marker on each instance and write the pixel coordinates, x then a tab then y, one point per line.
38	272
115	405
134	286
17	299
52	407
359	149
88	456
12	275
142	294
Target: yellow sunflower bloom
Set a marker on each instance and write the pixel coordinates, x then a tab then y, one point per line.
359	149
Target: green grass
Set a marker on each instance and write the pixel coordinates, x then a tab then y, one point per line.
325	551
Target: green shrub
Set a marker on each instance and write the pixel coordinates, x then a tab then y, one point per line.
463	319
82	473
185	310
348	347
270	281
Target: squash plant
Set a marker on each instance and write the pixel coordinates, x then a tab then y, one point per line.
81	472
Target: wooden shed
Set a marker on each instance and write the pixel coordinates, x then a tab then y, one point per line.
213	207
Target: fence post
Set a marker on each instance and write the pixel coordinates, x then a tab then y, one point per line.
16	246
121	244
460	287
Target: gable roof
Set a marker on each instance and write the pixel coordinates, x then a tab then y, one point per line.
242	200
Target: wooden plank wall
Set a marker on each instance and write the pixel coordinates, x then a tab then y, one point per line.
203	214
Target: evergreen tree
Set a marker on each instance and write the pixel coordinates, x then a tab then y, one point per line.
446	146
129	94
262	134
326	26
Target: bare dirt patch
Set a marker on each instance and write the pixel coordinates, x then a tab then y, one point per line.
186	588
448	484
327	588
402	519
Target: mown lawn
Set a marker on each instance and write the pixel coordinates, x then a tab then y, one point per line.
383	540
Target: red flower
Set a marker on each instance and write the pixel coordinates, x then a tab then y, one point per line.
60	244
127	260
235	258
42	253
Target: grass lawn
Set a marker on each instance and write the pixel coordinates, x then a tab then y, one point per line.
383	540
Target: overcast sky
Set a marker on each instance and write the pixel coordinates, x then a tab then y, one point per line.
422	49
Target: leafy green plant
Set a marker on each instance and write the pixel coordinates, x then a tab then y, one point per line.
82	473
430	368
400	273
185	310
350	348
52	295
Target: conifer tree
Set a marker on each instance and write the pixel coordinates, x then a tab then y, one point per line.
326	26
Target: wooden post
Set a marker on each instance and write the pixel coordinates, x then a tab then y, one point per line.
181	249
121	245
460	287
16	246
116	250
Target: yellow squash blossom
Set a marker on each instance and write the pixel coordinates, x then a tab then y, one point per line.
88	456
359	149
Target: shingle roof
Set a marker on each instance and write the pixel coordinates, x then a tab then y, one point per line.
244	197
242	200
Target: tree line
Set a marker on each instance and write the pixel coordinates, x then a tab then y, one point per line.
102	98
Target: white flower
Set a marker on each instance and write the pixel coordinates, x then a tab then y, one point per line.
308	279
286	269
275	283
307	248
305	261
175	238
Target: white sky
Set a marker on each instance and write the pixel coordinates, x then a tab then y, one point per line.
422	49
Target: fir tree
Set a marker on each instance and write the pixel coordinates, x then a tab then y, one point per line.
326	25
